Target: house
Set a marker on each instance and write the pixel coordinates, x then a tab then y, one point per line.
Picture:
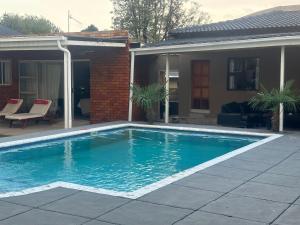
207	66
71	69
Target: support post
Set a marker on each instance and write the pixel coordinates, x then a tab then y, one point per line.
167	84
130	86
282	81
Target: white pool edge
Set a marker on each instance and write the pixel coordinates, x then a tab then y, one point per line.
149	188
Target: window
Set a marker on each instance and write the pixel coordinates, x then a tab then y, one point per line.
243	74
5	73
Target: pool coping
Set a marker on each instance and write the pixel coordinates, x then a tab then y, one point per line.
148	188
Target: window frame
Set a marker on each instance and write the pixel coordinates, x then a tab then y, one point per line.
244	59
2	75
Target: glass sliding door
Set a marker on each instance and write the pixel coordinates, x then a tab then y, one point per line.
41	79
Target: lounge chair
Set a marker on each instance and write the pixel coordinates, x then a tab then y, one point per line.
37	112
12	106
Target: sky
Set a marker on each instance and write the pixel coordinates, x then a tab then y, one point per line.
98	12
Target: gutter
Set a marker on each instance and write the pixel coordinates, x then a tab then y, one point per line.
67	85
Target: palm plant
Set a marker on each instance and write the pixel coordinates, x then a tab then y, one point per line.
147	97
271	101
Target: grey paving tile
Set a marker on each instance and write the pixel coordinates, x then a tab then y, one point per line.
179	196
41	217
268	192
41	198
297	202
247	165
209	182
295	156
288	167
232	173
247	208
205	218
276	179
97	222
290	217
268	156
9	209
142	213
86	204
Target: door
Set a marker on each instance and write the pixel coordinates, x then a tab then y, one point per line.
81	88
200	85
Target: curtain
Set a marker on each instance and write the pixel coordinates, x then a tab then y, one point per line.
49	83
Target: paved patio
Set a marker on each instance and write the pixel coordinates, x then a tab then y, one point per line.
261	186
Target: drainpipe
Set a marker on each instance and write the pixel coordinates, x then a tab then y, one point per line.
67	86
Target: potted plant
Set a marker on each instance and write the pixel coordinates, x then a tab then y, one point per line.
147	97
271	100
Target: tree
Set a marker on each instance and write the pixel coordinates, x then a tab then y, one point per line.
90	28
28	24
151	20
271	100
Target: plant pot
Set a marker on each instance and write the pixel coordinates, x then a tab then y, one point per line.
150	115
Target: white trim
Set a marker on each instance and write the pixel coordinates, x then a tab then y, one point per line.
221	45
96	44
149	188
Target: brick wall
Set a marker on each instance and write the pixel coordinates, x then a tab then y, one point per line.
109	85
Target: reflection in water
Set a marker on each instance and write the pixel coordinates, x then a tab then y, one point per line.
68	158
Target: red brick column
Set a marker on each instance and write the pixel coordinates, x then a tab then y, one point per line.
110	85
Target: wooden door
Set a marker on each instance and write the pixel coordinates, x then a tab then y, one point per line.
200	85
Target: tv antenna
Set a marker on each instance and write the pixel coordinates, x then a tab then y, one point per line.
70	17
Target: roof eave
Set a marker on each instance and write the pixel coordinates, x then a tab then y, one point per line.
220	45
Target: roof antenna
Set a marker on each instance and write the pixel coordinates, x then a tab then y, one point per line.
70	17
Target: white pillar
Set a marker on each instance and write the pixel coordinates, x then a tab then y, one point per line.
66	114
70	108
282	74
130	86
167	89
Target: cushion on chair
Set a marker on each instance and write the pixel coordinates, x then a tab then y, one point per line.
41	101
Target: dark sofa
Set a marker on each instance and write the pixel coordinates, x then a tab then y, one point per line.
242	115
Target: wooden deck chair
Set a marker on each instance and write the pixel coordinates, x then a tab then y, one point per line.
38	111
12	106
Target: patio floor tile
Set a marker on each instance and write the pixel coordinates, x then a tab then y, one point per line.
247	165
142	213
231	173
288	167
205	218
290	217
268	192
246	208
268	156
41	217
41	198
97	222
9	209
276	179
180	196
209	182
86	204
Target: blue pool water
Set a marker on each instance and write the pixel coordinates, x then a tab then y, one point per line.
119	160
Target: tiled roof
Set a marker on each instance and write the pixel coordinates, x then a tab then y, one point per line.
272	19
5	31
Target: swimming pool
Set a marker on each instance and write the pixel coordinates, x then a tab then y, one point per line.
123	160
